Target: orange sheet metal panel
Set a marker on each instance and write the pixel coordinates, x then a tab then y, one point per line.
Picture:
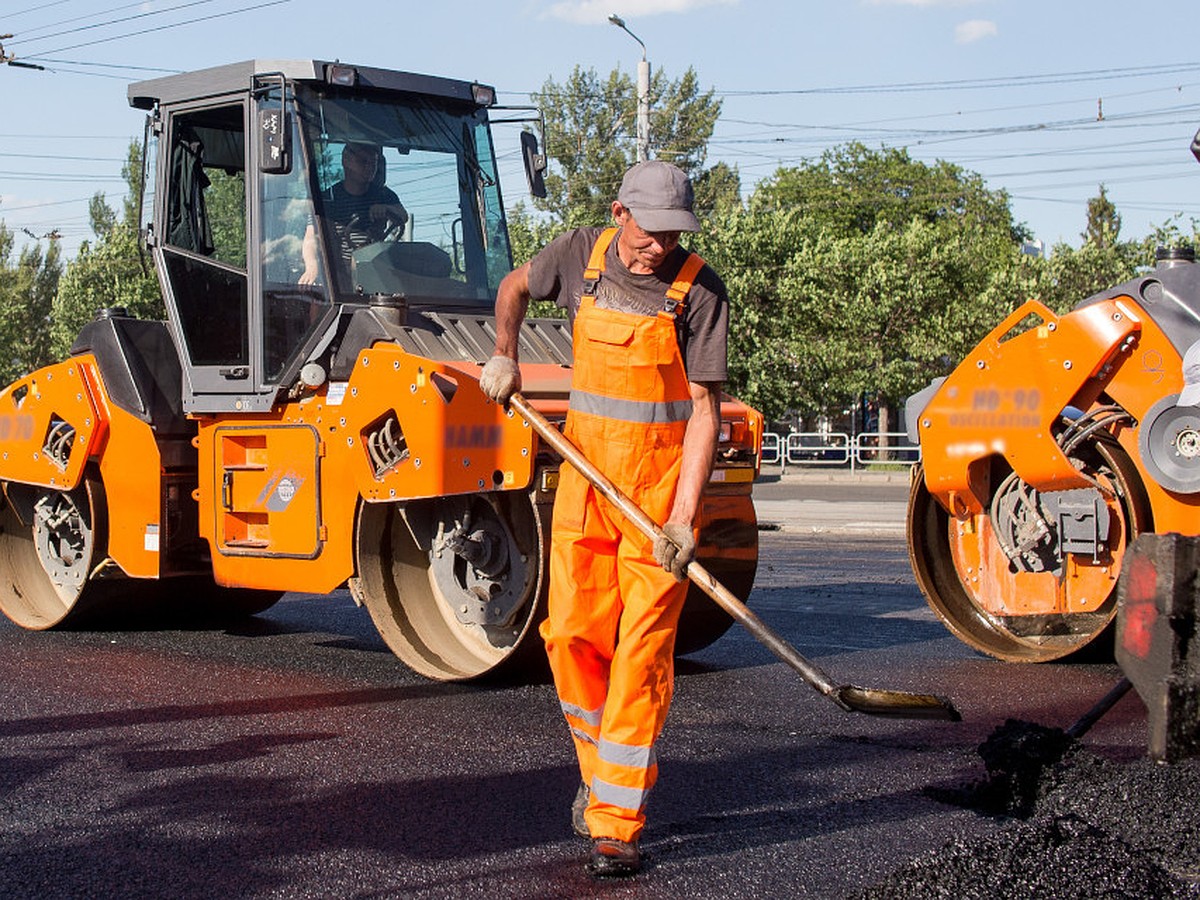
276	512
1005	397
728	527
452	439
1153	371
39	411
267	482
403	427
131	471
1082	586
49	426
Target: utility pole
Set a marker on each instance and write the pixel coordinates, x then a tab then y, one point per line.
643	95
9	60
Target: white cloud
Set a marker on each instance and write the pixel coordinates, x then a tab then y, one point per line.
974	30
593	12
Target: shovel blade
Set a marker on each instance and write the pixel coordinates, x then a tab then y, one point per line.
897	704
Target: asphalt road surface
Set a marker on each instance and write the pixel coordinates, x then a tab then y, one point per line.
292	756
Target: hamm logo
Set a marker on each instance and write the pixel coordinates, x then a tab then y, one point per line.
473	437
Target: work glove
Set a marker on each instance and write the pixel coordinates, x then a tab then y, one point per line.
675	548
500	378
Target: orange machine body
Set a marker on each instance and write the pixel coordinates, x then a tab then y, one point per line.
278	494
1003	418
56	421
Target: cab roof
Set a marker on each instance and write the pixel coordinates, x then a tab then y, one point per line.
237	77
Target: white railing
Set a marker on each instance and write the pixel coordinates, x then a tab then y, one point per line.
814	448
772	449
886	447
835	448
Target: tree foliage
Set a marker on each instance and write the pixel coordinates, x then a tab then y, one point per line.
853	188
867	273
858	274
111	272
1103	221
27	288
591	139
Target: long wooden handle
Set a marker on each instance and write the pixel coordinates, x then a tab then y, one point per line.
849	697
699	575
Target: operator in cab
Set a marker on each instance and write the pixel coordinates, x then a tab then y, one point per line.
361	208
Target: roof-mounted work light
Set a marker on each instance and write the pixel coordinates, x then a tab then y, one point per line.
344	76
483	94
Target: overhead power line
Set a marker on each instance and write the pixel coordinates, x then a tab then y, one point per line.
121	66
118	37
27	32
109	22
1008	81
40	7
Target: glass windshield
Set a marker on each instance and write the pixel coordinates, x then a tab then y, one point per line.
407	197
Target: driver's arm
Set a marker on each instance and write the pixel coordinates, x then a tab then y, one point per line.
389	209
308	252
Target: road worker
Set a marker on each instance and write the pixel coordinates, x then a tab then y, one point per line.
649	324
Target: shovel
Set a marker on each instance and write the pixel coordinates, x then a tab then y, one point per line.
873	701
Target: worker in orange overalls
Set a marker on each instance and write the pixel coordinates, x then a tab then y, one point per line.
649	323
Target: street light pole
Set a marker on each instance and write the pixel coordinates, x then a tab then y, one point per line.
643	95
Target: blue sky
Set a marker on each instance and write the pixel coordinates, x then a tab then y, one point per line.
1045	100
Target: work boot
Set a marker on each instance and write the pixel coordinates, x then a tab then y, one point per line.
611	858
578	808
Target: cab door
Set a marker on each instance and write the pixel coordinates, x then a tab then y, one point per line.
201	250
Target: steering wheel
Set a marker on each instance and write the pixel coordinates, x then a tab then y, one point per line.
393	230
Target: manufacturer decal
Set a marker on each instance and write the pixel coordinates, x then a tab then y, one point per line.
473	437
280	490
16	428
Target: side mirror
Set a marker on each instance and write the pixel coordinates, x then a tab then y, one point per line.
1196	146
535	164
274	151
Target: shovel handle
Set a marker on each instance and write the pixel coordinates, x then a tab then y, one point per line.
699	575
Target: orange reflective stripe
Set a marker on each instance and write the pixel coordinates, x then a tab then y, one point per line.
596	261
683	282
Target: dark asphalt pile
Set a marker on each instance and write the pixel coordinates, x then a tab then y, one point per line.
1074	825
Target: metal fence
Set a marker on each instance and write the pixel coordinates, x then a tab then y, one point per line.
815	449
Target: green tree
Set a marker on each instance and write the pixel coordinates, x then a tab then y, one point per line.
1103	221
27	288
863	273
1071	275
112	271
853	188
591	137
1174	233
718	189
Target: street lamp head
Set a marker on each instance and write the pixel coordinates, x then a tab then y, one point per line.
643	119
620	23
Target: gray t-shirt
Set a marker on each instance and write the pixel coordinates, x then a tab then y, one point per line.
556	273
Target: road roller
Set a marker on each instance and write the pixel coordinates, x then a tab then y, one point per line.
308	417
1047	451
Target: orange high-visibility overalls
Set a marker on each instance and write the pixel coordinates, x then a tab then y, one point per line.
610	628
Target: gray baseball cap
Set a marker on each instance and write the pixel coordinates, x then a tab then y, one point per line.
1190	395
660	197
